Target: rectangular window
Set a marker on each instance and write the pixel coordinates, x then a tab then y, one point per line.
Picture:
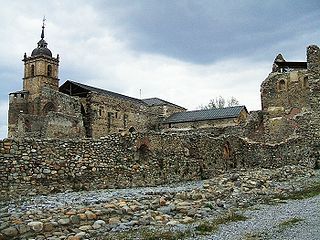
125	121
109	119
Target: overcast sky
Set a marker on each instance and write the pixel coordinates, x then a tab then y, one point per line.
186	52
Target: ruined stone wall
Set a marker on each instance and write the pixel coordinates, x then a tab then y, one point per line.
282	92
18	104
53	125
288	97
51	115
63	103
134	160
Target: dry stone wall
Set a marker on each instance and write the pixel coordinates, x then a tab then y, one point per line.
116	161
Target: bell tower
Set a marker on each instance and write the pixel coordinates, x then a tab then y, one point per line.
40	69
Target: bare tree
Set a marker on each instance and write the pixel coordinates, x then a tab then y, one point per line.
232	102
220	102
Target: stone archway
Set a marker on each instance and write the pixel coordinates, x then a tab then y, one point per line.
49	107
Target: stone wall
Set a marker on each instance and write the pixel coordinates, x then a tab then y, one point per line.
51	115
281	92
107	114
126	160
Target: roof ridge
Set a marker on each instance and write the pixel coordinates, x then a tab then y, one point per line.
105	91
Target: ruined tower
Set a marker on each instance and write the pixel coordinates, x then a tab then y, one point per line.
290	93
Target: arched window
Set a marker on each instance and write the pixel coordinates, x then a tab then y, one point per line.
49	107
49	70
143	152
32	70
282	85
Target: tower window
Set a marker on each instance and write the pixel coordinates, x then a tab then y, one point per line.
282	85
32	70
49	70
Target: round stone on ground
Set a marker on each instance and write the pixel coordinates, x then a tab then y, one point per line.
36	226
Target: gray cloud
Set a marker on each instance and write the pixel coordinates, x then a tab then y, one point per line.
206	31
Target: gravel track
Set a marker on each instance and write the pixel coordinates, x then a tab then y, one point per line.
266	222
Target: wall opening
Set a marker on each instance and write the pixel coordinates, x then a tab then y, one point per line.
109	120
32	70
282	85
49	107
125	121
305	83
86	123
49	70
132	129
27	126
227	151
143	153
227	155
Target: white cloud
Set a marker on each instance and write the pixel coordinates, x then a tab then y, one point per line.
109	64
106	62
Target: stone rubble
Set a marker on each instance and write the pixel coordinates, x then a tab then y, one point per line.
83	215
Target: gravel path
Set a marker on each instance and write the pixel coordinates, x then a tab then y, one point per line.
179	207
276	222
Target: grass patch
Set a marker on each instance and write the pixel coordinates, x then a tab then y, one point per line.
165	235
305	193
146	234
274	201
213	225
308	192
206	227
255	236
289	223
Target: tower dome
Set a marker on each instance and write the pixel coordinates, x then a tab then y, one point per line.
42	47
